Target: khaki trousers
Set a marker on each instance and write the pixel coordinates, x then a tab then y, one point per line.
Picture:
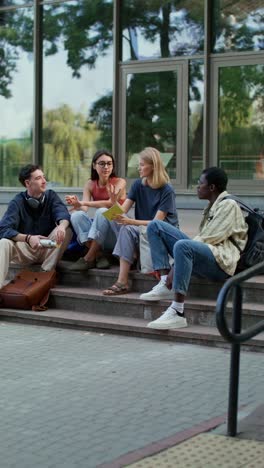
22	254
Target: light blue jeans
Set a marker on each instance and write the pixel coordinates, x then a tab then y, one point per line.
98	228
121	240
190	257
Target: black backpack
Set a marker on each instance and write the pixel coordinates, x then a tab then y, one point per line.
254	250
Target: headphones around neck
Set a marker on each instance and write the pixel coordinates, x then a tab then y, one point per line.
35	203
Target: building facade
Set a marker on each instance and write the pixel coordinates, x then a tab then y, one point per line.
186	77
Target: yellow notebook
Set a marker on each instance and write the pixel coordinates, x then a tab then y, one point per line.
113	212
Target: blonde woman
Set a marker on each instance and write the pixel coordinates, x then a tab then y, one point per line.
153	198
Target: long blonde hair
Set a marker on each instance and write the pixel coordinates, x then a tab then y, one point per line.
159	177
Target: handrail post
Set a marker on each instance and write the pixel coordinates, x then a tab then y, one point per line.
234	364
236	337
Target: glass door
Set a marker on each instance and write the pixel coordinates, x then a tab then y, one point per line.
238	124
152	114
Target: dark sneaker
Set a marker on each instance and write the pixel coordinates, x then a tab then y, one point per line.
102	263
82	265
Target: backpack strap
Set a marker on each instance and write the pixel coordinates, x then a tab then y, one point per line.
236	244
242	205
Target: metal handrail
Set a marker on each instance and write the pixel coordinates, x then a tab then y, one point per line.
235	336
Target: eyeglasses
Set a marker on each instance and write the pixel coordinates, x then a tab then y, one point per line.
105	163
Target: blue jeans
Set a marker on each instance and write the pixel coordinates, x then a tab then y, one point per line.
121	240
81	223
98	228
127	245
190	257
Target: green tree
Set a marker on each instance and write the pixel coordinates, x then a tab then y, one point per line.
69	143
16	32
236	100
241	127
86	31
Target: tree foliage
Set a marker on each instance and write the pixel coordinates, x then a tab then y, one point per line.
85	30
69	143
240	86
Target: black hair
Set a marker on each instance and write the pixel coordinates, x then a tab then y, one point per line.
26	171
94	174
217	177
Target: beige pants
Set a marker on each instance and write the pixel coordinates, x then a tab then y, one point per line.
22	254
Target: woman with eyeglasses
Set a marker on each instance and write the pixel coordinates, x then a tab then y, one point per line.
95	195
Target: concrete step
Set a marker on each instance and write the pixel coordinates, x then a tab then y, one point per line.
77	301
198	311
89	322
253	289
102	279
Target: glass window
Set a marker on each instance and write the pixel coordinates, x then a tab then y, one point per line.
162	28
238	25
151	109
16	93
7	3
196	106
241	121
77	88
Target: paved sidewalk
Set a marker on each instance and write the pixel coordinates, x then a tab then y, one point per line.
74	399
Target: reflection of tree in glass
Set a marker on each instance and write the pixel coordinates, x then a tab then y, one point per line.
196	121
240	116
151	111
14	154
236	101
101	115
165	22
69	143
238	25
87	32
86	28
16	32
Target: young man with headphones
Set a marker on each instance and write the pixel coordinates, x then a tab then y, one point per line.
31	216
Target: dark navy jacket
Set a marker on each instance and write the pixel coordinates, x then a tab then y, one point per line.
20	218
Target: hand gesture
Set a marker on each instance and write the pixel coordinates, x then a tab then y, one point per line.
113	193
74	201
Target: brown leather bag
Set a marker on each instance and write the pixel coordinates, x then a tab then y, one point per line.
28	290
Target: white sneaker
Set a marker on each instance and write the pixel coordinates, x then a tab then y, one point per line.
159	292
169	319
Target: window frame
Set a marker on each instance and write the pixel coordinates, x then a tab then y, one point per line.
152	66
